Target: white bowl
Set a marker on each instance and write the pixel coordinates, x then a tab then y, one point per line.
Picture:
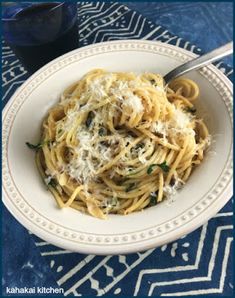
24	194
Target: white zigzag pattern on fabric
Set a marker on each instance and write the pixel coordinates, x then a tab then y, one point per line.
192	267
13	76
100	31
98	14
139	24
115	280
119	12
56	252
75	269
208	278
11	64
151	32
178	268
84	8
9	76
122	32
12	86
122	259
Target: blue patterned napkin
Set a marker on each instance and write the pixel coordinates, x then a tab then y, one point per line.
199	263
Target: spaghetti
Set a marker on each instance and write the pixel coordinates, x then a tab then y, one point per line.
119	142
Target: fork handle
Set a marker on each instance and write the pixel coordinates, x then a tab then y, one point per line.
200	61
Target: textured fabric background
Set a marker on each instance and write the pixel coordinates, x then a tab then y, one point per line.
199	263
206	24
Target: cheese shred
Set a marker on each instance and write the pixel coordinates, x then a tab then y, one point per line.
121	142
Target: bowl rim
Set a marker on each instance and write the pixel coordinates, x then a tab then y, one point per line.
111	246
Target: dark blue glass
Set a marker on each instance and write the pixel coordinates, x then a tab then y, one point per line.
40	31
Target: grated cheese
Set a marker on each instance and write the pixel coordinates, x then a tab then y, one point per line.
171	191
85	163
47	180
161	89
180	123
160	127
180	119
134	102
208	141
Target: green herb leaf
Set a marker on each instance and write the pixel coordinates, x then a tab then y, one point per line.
130	187
89	119
150	168
140	145
191	110
153	201
112	202
102	131
163	166
53	182
37	146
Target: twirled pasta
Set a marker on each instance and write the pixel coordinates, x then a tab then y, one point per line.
120	142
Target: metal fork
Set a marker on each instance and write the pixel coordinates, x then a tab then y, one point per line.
198	62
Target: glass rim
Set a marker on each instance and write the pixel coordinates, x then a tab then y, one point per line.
51	9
